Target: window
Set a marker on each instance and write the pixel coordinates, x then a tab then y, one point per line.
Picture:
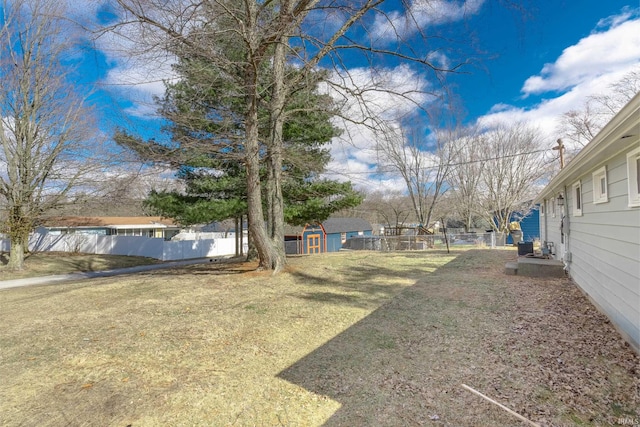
542	207
577	199
633	175
600	186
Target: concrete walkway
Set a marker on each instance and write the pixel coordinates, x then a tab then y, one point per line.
60	278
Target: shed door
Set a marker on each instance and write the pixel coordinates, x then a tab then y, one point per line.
313	244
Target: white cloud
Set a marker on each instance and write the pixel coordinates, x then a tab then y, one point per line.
422	13
545	115
137	71
379	98
138	79
384	93
439	60
598	54
82	12
585	69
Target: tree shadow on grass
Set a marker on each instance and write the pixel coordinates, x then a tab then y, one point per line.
362	286
400	364
213	268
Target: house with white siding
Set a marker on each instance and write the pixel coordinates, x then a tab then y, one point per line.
147	226
590	219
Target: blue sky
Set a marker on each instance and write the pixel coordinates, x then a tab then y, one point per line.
523	47
530	66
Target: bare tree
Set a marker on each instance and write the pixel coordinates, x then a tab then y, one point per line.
581	125
512	164
396	210
43	118
390	209
121	192
466	175
423	159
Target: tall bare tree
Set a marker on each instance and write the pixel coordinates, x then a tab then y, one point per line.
423	159
513	163
465	176
43	118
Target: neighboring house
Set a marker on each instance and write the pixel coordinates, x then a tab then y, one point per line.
326	237
147	226
529	225
590	219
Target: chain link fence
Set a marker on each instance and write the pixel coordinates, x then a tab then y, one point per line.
425	242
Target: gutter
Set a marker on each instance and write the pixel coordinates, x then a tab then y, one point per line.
610	141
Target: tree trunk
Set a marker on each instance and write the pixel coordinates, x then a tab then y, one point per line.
16	254
19	227
267	253
237	237
275	200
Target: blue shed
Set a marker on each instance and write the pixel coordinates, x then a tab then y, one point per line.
529	224
313	239
326	237
340	229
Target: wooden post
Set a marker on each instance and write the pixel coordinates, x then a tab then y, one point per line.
444	231
560	148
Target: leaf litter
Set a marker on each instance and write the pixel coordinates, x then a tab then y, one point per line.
346	339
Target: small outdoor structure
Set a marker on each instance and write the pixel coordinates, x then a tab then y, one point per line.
529	225
328	236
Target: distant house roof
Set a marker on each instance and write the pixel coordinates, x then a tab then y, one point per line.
334	225
343	225
110	221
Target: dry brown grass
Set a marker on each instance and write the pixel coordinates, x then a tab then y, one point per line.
349	339
50	263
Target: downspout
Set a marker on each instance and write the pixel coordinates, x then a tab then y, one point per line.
546	221
566	258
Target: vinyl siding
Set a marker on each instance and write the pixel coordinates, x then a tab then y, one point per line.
550	232
603	255
334	242
605	248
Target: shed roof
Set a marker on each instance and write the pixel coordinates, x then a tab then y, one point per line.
109	221
334	225
343	225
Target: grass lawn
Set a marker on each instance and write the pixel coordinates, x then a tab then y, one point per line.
49	263
342	339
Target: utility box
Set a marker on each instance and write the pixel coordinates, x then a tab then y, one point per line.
525	248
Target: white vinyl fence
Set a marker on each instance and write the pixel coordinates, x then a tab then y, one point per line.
128	245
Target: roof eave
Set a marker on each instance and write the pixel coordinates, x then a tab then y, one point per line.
619	134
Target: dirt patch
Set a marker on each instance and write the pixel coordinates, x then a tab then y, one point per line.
344	339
